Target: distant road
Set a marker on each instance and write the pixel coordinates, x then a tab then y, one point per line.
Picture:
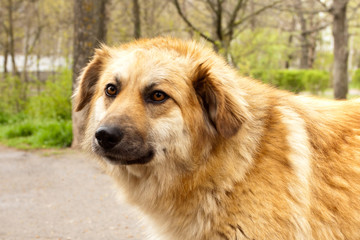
60	195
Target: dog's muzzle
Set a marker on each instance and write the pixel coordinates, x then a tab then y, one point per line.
122	145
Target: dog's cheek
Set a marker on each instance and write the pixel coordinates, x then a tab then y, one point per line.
99	109
170	137
90	130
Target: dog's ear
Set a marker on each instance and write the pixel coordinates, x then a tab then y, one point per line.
89	77
226	111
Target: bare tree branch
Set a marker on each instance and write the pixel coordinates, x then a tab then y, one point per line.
178	8
161	9
326	8
234	14
211	5
354	12
219	11
6	29
316	9
256	13
317	29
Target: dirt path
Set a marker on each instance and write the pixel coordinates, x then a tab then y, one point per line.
60	195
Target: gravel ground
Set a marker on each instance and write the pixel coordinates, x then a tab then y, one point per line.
60	194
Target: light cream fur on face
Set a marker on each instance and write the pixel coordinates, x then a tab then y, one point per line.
233	158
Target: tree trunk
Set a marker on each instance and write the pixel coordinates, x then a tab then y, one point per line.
11	38
290	43
6	53
137	19
304	59
252	20
24	76
38	59
312	50
89	30
341	52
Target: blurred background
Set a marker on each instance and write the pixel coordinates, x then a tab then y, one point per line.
305	46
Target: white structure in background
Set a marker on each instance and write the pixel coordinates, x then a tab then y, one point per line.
45	64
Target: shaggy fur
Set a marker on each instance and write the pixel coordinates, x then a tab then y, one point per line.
233	158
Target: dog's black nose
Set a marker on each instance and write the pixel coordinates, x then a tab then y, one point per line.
108	137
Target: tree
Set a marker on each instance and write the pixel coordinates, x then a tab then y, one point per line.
33	30
10	7
4	44
307	22
89	31
341	51
137	19
338	11
228	17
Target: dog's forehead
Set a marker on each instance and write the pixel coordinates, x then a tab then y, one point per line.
121	62
146	65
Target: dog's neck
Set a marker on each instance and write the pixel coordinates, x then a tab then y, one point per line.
227	164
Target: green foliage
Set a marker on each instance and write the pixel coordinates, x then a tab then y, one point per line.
290	80
44	120
54	134
37	134
12	97
260	49
55	101
4	117
20	129
323	60
355	82
314	81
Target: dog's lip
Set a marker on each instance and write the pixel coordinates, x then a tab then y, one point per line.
125	161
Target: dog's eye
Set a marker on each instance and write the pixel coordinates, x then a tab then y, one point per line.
111	90
158	96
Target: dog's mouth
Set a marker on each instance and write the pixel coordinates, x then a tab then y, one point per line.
118	159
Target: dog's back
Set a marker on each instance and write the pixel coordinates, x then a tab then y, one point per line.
304	183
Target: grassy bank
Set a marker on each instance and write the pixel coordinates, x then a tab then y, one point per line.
28	134
37	119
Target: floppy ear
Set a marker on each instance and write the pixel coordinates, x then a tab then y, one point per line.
89	78
225	111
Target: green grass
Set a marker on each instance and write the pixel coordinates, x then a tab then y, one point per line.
37	119
35	134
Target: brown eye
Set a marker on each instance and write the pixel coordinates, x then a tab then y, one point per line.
111	90
158	96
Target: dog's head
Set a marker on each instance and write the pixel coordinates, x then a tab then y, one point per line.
156	99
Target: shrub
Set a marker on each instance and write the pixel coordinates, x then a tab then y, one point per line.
38	134
43	120
355	81
13	95
4	117
22	129
55	101
54	134
316	81
290	80
296	81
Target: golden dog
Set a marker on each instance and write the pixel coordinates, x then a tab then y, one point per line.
206	154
